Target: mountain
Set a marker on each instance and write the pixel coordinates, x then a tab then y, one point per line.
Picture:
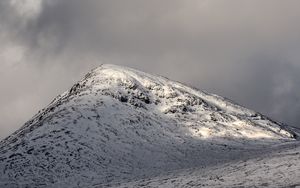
120	125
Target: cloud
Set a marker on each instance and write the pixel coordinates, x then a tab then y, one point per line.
245	50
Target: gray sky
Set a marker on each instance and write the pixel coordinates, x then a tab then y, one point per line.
245	50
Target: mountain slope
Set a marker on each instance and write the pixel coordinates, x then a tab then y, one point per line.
118	124
279	169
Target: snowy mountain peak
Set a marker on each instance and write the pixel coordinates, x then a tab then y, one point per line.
118	123
162	95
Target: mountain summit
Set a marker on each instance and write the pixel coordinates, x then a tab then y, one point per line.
118	124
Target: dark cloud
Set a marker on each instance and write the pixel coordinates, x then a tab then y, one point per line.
245	50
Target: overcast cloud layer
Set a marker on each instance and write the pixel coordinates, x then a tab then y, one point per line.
248	51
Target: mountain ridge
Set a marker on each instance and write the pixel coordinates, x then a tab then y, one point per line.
118	123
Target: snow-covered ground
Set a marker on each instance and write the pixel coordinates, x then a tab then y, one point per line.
280	168
120	125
